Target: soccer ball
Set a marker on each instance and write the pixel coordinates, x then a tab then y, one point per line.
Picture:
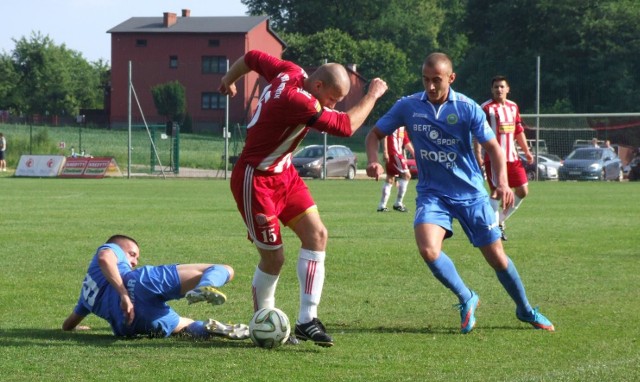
269	328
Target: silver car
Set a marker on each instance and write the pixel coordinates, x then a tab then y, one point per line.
591	163
341	161
548	166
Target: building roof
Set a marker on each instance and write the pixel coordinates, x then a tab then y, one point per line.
190	24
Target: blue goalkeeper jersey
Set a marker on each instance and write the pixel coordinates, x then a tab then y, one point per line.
441	136
97	296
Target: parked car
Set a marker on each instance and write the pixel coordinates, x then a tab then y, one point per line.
548	166
634	169
341	161
591	163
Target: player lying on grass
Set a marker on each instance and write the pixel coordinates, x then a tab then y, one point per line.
134	301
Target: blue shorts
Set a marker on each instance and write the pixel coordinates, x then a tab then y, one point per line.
477	218
150	287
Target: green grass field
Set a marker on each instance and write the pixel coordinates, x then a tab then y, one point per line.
576	246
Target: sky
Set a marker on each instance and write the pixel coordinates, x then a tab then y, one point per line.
82	25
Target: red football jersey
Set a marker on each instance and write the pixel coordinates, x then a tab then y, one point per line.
284	115
396	142
506	124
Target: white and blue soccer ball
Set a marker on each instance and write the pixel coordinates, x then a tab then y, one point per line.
269	328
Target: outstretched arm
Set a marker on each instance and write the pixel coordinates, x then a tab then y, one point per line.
237	70
360	111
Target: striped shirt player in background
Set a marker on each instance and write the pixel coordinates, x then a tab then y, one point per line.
396	167
266	186
504	117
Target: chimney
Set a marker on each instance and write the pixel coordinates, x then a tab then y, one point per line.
186	12
169	19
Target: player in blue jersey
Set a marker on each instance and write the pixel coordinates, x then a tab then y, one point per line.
441	124
134	301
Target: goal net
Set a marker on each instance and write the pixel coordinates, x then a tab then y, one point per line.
559	134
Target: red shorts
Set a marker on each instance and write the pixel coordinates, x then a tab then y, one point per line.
264	199
515	172
396	166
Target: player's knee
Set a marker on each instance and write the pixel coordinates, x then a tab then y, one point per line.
429	255
315	238
230	270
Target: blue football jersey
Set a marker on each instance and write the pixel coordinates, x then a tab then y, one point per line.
441	136
97	296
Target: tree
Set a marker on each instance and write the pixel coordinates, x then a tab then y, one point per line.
8	80
372	59
170	101
51	79
409	26
588	52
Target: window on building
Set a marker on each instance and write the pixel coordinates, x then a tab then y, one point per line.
141	42
214	43
213	101
214	64
173	61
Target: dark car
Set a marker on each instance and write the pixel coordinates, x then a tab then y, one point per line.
591	163
634	169
341	161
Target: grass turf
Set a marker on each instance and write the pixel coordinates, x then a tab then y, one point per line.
576	246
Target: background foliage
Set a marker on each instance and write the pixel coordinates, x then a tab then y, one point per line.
588	49
40	77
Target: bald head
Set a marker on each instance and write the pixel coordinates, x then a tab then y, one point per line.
438	60
330	83
333	75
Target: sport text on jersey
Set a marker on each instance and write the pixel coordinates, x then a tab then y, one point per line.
444	157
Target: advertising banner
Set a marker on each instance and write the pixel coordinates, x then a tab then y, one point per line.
96	167
39	165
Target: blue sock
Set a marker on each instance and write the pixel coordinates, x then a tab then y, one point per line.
197	329
445	271
215	275
510	280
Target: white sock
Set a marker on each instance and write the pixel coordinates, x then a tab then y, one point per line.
264	290
402	190
495	204
311	278
513	209
386	191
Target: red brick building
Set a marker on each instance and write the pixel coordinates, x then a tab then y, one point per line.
193	51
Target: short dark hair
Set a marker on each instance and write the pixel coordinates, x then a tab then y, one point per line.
499	78
436	58
117	238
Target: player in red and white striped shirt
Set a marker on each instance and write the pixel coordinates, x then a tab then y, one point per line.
504	117
393	147
266	186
